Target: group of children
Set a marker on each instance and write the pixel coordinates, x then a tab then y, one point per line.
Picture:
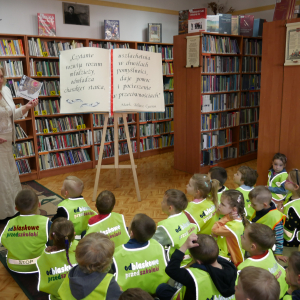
224	244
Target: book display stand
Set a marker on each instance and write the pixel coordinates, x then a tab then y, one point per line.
116	157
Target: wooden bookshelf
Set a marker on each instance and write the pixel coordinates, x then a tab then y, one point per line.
189	114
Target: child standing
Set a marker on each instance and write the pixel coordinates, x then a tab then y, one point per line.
74	207
26	235
266	213
293	277
219	174
258	240
108	222
246	178
174	231
89	279
277	176
56	261
202	210
256	284
229	229
141	262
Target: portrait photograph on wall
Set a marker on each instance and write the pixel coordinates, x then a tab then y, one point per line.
76	14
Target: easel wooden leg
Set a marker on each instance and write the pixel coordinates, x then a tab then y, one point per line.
100	158
131	158
116	146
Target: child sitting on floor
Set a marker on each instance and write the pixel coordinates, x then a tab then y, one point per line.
56	261
256	284
174	230
293	277
219	174
202	210
26	235
229	228
209	277
90	280
141	262
108	222
266	213
74	207
246	178
258	240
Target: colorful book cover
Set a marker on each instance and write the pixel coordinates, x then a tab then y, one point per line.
29	88
183	21
235	25
46	24
225	23
284	9
197	20
246	25
112	29
258	27
213	23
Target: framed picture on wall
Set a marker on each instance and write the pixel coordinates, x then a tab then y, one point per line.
76	14
155	32
292	44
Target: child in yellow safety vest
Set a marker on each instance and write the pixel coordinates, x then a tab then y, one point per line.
258	240
293	277
74	207
256	284
141	261
267	213
202	210
56	261
245	178
89	279
228	230
209	277
220	174
26	235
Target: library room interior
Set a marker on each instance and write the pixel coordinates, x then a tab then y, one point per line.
153	138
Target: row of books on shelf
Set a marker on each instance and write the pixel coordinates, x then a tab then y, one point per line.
44	68
249	131
216	139
109	137
23	166
54	125
157	116
62	159
50	48
250	99
11	47
50	88
109	45
20	133
220	83
166	51
23	149
219	121
212	156
47	107
12	68
156	128
169	97
151	143
251	64
167	68
13	86
98	120
220	64
59	142
108	150
247	147
251	82
219	102
169	83
249	115
252	46
219	44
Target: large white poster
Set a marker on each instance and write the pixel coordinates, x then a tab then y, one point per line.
89	84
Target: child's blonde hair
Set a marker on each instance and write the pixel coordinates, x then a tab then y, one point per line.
74	186
261	194
208	188
294	174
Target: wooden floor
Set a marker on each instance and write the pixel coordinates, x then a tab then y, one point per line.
156	174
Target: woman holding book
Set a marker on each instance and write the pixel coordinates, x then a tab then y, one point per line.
9	178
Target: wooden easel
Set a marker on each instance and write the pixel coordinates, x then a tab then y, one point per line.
116	156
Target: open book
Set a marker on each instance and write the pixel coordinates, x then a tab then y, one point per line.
102	80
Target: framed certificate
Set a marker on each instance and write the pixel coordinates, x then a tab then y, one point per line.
155	32
292	44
